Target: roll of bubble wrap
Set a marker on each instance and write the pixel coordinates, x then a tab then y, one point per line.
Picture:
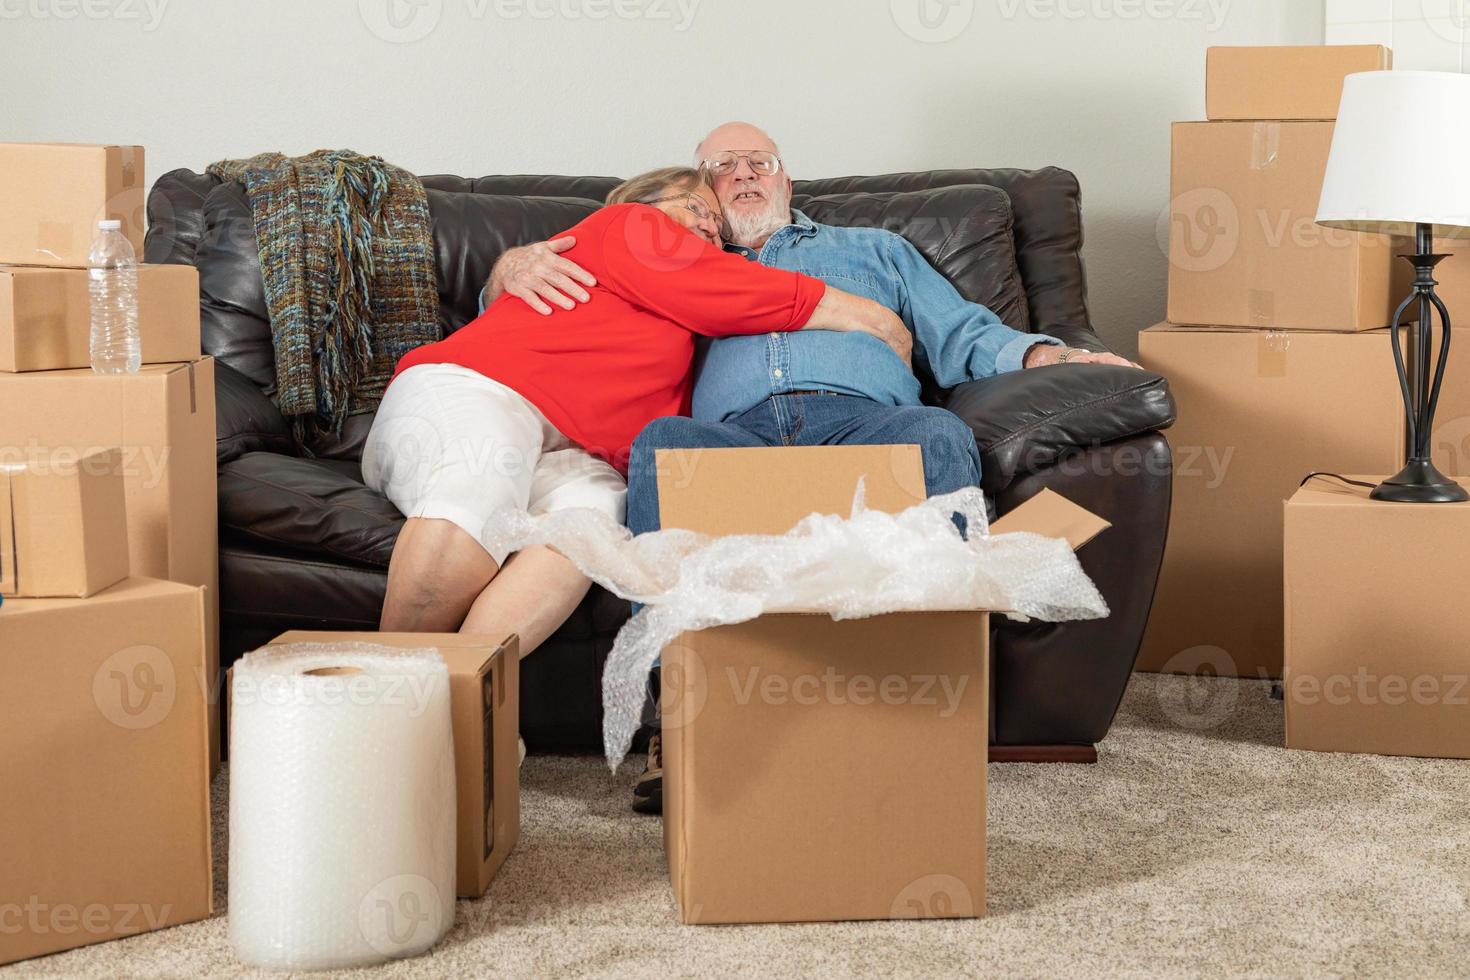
342	809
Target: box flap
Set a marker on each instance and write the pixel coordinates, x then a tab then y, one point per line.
1050	514
767	490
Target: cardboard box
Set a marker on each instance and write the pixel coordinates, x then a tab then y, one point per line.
53	194
104	760
45	316
63	526
1376	658
484	692
1285	82
817	770
1244	245
162	421
1258	411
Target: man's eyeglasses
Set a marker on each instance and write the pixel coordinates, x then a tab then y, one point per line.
694	205
762	162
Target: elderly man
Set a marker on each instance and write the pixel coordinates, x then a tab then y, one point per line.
813	387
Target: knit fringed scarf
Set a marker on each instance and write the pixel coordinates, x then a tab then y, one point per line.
347	260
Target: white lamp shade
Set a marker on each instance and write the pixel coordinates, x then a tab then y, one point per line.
1400	155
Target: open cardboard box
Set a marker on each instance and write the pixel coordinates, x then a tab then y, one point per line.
484	693
822	770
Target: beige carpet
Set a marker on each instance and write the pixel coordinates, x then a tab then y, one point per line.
1196	847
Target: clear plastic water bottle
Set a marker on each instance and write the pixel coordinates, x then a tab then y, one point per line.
113	283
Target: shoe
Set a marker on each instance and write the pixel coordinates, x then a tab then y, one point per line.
648	792
523	750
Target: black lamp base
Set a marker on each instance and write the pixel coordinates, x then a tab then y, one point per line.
1420	483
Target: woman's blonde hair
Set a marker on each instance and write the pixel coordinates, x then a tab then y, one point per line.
655	184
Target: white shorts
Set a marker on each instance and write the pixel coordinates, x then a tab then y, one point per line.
452	444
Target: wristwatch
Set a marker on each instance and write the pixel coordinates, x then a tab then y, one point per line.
1066	354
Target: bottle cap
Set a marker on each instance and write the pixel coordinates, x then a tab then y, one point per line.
109	224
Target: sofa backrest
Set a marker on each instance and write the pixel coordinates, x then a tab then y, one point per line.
1008	238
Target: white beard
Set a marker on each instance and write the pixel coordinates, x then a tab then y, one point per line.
747	227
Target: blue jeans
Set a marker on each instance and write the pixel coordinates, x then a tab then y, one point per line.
951	459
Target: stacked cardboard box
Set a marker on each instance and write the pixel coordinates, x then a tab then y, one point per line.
1375	654
822	770
161	419
107	489
1277	349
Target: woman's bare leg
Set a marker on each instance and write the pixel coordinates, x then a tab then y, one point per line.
531	597
436	571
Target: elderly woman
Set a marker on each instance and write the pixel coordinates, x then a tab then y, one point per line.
514	411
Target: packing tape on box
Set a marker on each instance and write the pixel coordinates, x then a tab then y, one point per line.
342	805
1271	350
1262	304
1265	145
867	564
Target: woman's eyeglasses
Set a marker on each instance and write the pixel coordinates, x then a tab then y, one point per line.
693	204
762	162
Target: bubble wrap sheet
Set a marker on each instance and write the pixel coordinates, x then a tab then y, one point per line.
864	565
342	809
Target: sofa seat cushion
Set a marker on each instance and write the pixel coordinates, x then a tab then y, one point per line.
313	508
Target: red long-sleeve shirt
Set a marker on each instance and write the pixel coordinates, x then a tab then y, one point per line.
604	370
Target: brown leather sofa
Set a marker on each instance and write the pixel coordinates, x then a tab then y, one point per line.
304	544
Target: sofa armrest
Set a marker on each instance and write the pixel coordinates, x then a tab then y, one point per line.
1074	336
246	421
1027	420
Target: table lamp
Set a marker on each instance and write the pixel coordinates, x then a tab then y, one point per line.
1400	165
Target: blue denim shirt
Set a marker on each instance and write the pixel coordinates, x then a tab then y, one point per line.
954	339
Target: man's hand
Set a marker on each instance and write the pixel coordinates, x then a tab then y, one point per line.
537	274
1040	355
